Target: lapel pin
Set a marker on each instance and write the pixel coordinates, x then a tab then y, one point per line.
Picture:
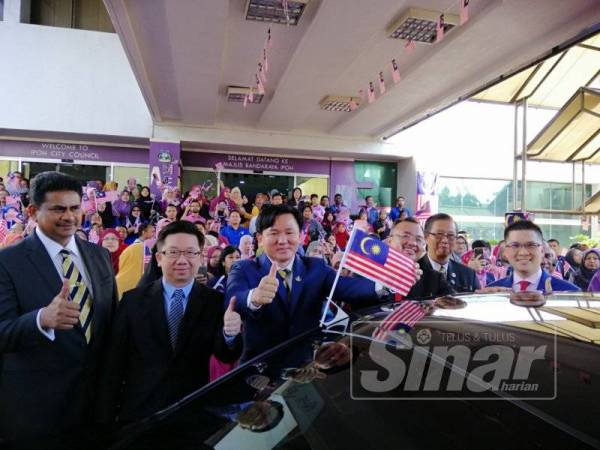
298	279
453	275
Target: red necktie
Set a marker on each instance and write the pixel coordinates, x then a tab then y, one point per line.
398	297
524	284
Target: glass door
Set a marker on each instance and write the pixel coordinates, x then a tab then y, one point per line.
82	173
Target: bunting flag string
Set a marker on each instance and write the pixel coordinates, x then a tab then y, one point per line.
260	76
265	60
409	46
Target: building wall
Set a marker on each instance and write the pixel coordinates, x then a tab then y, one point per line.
68	80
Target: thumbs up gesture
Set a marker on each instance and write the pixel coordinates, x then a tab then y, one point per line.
232	322
265	292
61	313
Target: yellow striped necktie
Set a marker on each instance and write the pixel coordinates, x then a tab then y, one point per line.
79	293
283	273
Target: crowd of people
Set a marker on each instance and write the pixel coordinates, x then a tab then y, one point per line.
155	296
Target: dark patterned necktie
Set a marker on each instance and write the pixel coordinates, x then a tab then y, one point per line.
284	274
175	316
79	294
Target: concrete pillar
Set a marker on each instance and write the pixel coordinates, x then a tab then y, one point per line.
17	11
407	182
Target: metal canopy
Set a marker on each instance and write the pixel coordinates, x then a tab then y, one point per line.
573	134
550	83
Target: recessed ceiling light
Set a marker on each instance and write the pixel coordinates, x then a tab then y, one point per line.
420	25
339	103
237	94
273	11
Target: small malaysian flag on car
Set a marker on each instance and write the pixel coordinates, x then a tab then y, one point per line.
377	261
403	317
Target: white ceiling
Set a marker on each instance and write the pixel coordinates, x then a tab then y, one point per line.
185	53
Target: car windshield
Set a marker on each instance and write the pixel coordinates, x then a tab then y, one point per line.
321	401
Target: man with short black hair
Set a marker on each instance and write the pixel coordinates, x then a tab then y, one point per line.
276	199
233	232
440	234
165	332
524	251
57	298
399	210
146	231
281	294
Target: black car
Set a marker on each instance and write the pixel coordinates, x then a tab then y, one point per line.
472	372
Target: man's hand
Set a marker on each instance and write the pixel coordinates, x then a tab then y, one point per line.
60	314
202	278
267	288
232	322
419	272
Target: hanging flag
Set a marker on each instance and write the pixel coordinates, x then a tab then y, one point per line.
377	261
353	104
286	11
409	46
381	84
371	92
265	60
404	317
395	71
269	40
439	29
361	94
259	85
464	11
245	101
251	95
261	73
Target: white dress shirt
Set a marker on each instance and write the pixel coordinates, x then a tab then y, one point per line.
54	248
534	280
437	266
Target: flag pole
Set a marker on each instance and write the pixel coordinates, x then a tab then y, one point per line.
339	272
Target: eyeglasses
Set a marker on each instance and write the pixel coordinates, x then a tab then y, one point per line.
173	253
408	237
439	236
529	246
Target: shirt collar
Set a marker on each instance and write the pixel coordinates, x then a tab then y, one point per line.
53	248
436	265
170	289
534	279
288	267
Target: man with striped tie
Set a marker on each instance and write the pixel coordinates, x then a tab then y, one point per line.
57	297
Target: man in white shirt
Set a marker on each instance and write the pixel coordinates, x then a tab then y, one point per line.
57	297
524	250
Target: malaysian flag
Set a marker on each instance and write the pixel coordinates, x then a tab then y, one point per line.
377	261
3	230
403	317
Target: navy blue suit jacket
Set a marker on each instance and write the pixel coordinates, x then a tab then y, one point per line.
284	318
557	284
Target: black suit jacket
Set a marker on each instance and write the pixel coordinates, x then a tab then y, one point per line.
460	278
46	387
142	373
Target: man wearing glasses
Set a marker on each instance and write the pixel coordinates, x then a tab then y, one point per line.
407	237
165	332
524	250
440	235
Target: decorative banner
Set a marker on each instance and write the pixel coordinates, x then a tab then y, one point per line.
353	104
381	84
395	72
409	46
371	92
464	11
265	60
439	29
427	198
164	166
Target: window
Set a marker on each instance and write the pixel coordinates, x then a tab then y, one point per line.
313	185
122	173
80	14
381	176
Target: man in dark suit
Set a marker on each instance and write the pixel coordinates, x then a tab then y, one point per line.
440	234
280	294
164	334
407	237
57	296
524	249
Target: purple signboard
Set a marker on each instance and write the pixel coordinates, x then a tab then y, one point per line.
80	152
164	161
257	163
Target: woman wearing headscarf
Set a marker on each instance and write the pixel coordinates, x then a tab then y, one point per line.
588	268
246	247
169	197
146	203
111	241
572	263
121	207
